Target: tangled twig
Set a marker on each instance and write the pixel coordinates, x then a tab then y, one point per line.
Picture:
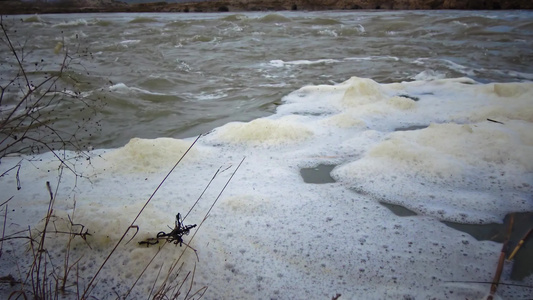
175	236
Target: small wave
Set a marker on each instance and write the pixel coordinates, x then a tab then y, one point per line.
328	32
33	19
124	89
203	38
130	42
157	83
439	63
273	85
517	75
229	28
273	18
205	96
468	22
103	23
183	66
119	87
177	24
386	57
321	21
78	22
281	63
428	75
460	23
233	18
525	28
353	30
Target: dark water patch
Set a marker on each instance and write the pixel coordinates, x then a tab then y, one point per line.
158	84
398	210
412	127
319	174
522	223
321	21
410	97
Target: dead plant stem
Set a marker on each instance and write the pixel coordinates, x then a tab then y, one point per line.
86	291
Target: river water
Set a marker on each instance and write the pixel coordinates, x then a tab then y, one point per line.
312	121
178	75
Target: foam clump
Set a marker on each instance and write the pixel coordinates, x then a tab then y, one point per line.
361	91
345	120
149	155
442	144
450	171
264	131
513	89
504	101
402	103
351	103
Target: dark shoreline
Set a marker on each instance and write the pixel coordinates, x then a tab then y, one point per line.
12	7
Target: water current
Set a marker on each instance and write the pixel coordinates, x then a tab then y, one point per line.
178	75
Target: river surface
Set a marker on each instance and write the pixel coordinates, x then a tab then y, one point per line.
178	75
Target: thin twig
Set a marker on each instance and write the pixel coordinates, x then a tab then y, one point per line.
494	121
501	260
155	281
205	189
3	231
142	273
86	292
200	225
489	282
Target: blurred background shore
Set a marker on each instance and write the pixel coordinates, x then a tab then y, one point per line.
79	6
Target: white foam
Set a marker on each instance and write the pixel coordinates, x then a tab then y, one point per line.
207	96
429	75
446	63
386	57
124	89
130	42
271	234
281	63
